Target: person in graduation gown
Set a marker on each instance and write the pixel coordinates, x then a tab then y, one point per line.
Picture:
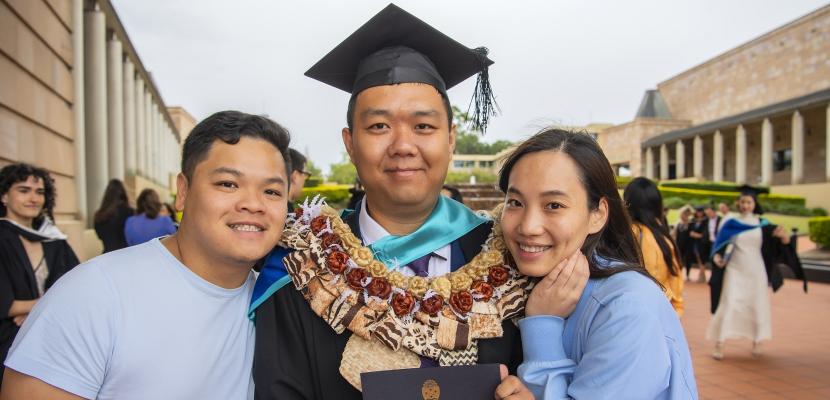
400	138
682	238
746	255
700	245
33	252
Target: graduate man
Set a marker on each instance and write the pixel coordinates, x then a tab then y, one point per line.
400	137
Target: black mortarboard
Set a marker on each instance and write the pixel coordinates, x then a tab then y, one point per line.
747	190
397	47
752	191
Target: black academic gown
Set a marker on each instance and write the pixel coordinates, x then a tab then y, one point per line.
111	231
774	254
17	279
700	246
298	354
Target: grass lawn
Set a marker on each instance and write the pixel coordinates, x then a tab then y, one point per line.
788	221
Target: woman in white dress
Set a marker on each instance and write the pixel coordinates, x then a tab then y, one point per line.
743	307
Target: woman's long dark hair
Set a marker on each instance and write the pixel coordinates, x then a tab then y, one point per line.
14	173
615	241
645	206
148	203
115	197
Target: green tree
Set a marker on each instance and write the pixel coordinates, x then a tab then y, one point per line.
468	141
316	177
343	172
315	171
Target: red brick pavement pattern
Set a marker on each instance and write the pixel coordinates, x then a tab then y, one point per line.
795	363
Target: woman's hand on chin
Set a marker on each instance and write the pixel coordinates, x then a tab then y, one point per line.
559	291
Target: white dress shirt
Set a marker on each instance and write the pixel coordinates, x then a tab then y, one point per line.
713	229
371	232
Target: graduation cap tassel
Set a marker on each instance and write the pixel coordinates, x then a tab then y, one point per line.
483	96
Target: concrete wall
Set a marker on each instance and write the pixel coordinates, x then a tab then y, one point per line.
788	62
183	121
815	193
36	95
621	143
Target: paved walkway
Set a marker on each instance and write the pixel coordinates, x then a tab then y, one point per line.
795	364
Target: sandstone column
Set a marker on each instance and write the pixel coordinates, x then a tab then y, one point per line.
151	146
650	163
766	152
698	157
798	149
140	126
95	88
827	144
664	162
157	145
129	117
115	108
155	148
78	107
148	128
718	157
740	155
680	160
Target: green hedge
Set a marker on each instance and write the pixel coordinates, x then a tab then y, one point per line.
706	196
336	195
674	202
313	181
676	194
482	176
820	231
623	181
711	186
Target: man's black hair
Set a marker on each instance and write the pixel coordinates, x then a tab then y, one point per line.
229	127
297	161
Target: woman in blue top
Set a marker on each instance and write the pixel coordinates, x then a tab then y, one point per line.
147	224
597	326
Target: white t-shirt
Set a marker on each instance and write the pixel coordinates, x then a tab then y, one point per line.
137	324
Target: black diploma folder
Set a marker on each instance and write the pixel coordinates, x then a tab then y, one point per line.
444	383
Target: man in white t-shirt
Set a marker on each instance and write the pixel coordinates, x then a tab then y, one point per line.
167	319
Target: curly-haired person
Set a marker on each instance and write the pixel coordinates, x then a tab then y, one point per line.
33	252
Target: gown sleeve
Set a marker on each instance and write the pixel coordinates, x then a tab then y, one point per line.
6	289
281	364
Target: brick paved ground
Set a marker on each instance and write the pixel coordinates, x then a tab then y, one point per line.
795	364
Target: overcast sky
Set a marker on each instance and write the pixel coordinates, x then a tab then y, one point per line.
557	62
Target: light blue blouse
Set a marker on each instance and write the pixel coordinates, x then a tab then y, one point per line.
623	341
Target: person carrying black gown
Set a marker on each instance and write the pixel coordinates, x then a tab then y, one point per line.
403	235
33	252
699	242
112	215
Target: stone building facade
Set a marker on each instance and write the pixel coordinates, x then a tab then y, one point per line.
757	114
76	99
